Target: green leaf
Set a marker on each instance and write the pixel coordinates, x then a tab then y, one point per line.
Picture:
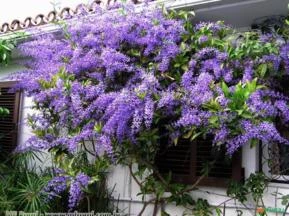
240	112
254	143
189	134
262	69
176	141
195	136
98	127
225	89
247	115
252	85
94	179
219	211
212	105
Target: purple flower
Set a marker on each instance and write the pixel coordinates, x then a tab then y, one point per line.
283	108
248	72
76	190
207	53
221	135
193	117
167	100
104	144
203	39
284	54
260	106
272	59
148	112
56	186
215	28
266	38
114	75
114	61
187	80
264	131
201	93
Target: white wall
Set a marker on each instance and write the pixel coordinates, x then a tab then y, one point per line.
126	190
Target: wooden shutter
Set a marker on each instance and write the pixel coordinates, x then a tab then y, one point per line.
186	160
9	124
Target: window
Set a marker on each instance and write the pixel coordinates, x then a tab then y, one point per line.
9	124
186	161
274	159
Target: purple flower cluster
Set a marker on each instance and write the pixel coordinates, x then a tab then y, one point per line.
59	184
115	75
265	132
96	76
76	190
56	186
213	27
258	105
284	54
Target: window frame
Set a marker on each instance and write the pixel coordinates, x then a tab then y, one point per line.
237	171
16	113
264	167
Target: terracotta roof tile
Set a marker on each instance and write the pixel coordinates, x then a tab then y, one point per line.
65	13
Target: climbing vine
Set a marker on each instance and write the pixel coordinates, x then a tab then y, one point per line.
115	89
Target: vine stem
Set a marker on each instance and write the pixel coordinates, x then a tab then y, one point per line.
140	185
257	203
156	207
156	172
133	175
193	186
165	183
159	176
145	205
86	149
224	202
248	209
263	204
286	208
88	203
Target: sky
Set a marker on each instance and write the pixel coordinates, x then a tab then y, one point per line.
20	9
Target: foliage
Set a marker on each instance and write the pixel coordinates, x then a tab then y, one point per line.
3	111
28	192
115	90
21	187
82	178
255	185
25	187
238	191
7	44
202	208
6	47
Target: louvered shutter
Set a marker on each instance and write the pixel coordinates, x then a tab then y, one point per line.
9	124
186	160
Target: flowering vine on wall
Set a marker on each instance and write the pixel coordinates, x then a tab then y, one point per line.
112	80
